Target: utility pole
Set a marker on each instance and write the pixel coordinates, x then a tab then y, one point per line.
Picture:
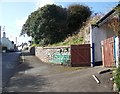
0	34
0	38
16	40
0	41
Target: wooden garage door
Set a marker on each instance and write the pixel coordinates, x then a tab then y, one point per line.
80	55
108	52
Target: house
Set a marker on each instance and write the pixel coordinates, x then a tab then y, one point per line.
6	43
104	39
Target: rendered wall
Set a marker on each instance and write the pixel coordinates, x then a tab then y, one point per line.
7	43
99	34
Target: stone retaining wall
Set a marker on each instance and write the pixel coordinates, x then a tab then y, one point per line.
46	54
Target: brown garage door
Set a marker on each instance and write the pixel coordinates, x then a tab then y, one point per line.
80	55
108	52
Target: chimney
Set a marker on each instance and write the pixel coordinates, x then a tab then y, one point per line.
16	40
4	34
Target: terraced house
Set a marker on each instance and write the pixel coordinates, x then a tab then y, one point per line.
7	45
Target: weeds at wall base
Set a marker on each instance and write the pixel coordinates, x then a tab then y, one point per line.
116	76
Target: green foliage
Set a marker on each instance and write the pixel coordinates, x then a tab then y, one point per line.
35	45
77	15
116	76
46	25
118	7
70	41
52	24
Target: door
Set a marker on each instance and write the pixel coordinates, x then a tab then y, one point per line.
108	52
80	55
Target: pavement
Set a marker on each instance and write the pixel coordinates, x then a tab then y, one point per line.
34	75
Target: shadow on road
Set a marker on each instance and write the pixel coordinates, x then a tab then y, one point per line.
24	82
23	66
27	54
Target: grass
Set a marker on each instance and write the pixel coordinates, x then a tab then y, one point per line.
35	45
77	38
73	40
116	75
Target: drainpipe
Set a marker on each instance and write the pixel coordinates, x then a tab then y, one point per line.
92	47
115	43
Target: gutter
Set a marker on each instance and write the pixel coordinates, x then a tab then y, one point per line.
105	17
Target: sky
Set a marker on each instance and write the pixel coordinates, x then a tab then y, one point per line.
14	13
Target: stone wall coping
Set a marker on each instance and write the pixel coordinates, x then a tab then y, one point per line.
57	47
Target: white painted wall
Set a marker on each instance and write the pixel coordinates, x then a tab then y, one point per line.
117	51
6	42
98	35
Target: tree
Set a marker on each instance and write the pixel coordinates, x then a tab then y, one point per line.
29	26
51	23
46	25
76	16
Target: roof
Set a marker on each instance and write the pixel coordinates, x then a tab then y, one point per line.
107	15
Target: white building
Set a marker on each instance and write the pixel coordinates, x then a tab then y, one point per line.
6	42
104	39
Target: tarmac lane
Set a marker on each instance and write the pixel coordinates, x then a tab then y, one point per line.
33	75
0	72
9	63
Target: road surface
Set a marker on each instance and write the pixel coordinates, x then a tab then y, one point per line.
35	76
0	72
9	63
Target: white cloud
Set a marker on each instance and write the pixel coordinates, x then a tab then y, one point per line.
60	0
41	3
20	22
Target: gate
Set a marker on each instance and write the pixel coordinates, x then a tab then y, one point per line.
80	55
108	52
